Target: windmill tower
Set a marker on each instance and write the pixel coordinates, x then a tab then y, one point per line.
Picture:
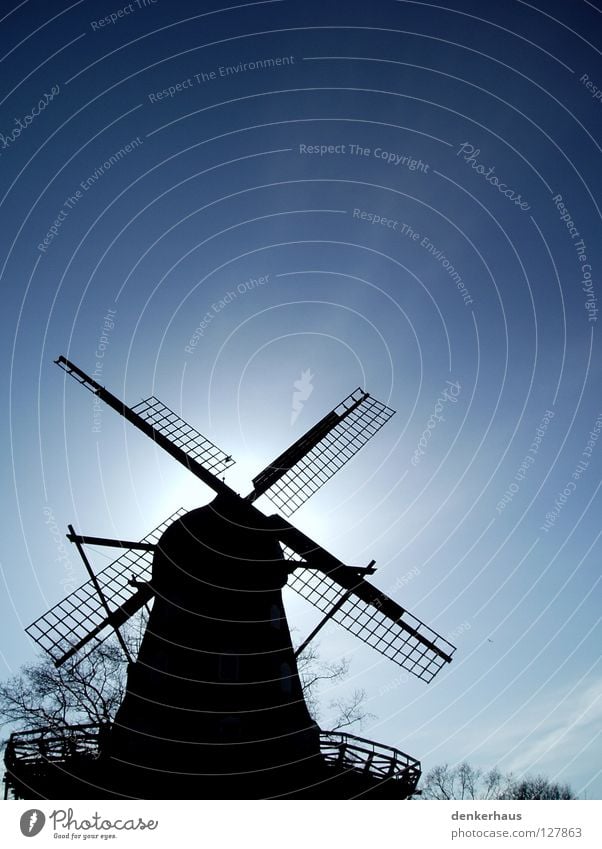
214	706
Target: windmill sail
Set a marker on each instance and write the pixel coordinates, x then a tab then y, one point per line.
70	622
181	434
396	640
166	428
366	612
309	463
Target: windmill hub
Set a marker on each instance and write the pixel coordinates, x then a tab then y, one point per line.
219	547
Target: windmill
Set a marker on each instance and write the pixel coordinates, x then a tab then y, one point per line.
214	707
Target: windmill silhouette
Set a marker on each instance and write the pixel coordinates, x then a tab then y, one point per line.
214	706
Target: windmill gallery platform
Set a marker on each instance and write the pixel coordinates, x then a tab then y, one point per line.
76	765
214	706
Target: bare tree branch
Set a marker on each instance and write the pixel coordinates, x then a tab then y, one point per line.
81	691
318	676
467	782
350	711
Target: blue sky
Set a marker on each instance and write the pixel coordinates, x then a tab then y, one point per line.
167	189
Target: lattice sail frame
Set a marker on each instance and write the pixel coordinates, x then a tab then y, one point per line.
331	453
64	625
180	433
365	621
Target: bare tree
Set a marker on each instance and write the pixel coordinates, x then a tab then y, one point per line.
539	788
463	782
467	782
317	675
350	711
79	692
83	690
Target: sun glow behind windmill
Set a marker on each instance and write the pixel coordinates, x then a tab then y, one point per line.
214	577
